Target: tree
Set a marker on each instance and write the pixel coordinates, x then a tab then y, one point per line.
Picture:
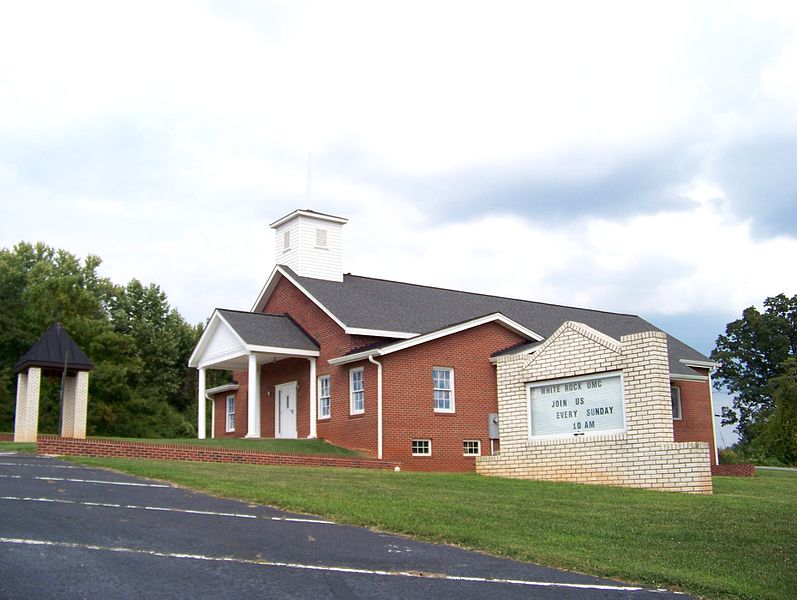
141	385
751	353
778	436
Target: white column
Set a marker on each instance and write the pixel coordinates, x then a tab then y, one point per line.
313	400
253	401
22	405
200	416
27	428
68	408
81	405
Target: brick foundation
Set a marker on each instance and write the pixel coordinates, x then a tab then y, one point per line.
54	445
744	470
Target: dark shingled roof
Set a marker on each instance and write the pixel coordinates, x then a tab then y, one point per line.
368	303
54	348
260	329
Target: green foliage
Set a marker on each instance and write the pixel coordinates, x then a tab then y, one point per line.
778	435
141	385
753	352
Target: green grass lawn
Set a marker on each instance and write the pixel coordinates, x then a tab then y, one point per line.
740	542
302	446
17	447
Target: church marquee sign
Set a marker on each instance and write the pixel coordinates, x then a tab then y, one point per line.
576	406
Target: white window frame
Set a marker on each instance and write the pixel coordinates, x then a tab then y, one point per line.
435	389
465	447
353	409
321	397
229	401
675	398
428	443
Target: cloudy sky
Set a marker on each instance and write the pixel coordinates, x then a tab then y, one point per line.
629	156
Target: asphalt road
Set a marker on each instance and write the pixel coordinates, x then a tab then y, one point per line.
68	531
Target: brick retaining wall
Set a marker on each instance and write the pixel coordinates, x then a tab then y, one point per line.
6	437
52	444
744	470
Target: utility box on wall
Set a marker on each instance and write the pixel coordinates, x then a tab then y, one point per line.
492	426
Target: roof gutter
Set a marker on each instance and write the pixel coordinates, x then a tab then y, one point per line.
378	406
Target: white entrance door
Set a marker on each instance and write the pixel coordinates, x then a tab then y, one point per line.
285	410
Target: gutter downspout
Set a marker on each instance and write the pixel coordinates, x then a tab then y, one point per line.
378	405
713	424
212	415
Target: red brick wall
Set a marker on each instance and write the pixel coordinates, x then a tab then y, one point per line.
54	445
408	401
742	470
697	414
353	431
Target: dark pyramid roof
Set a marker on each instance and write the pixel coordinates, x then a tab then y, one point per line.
369	303
53	348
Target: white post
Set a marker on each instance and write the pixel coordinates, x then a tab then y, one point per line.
713	425
253	401
22	406
81	405
28	428
200	417
313	400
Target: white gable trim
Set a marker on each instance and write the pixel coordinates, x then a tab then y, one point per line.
700	364
680	377
216	321
434	335
200	359
271	283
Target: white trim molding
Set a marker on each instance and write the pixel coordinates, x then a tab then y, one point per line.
434	335
700	364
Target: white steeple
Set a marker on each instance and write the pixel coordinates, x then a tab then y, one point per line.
310	243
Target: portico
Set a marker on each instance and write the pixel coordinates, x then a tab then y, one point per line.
256	344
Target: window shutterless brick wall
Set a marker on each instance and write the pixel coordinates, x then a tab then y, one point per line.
645	456
697	413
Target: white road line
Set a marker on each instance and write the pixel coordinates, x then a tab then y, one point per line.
42	464
127	483
161	508
326	568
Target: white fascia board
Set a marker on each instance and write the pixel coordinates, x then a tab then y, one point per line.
209	361
314	215
279	350
434	335
700	364
271	283
215	322
680	377
227	387
402	335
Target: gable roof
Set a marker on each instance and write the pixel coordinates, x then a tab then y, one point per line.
233	334
53	350
378	305
258	329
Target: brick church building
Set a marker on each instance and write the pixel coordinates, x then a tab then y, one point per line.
407	372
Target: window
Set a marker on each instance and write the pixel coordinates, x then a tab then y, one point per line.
356	391
443	378
675	396
323	397
286	241
230	413
471	448
320	238
421	447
